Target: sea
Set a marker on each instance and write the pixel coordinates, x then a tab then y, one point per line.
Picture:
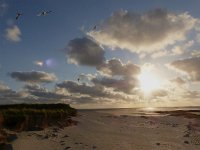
147	111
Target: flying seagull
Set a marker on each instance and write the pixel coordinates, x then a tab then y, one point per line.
44	13
18	15
94	28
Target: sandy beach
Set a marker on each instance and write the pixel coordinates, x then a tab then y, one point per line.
111	130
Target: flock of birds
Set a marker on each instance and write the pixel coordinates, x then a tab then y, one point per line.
43	13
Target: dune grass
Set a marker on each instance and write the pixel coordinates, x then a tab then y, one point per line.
35	116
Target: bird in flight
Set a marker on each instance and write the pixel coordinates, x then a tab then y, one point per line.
44	13
18	15
94	28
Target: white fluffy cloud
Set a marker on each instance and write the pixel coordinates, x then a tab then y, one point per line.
13	34
147	32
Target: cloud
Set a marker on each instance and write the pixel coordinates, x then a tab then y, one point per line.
73	87
195	53
159	93
39	63
33	76
44	94
93	91
84	51
159	54
4	89
147	32
116	67
8	96
192	94
3	8
177	50
190	66
126	85
182	48
13	34
178	81
31	94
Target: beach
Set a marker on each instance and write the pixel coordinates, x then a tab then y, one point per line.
114	130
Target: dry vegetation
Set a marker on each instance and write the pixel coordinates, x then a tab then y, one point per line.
35	116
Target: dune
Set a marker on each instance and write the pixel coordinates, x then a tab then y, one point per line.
14	119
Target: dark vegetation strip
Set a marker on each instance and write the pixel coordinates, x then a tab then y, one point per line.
184	113
21	117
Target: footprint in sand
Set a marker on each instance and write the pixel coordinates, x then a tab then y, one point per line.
168	146
195	139
94	147
65	136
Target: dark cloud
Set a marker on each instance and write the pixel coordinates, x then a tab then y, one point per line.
94	91
84	51
8	96
33	76
31	94
73	87
126	85
116	67
191	66
84	100
146	32
43	94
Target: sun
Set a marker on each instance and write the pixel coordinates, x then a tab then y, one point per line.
148	81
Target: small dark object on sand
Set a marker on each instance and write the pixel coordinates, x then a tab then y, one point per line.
67	148
54	135
145	117
158	144
94	147
46	137
187	135
55	129
186	142
65	136
174	125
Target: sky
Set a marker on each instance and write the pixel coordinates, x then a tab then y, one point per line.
100	53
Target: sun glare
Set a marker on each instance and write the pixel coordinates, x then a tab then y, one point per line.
148	81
